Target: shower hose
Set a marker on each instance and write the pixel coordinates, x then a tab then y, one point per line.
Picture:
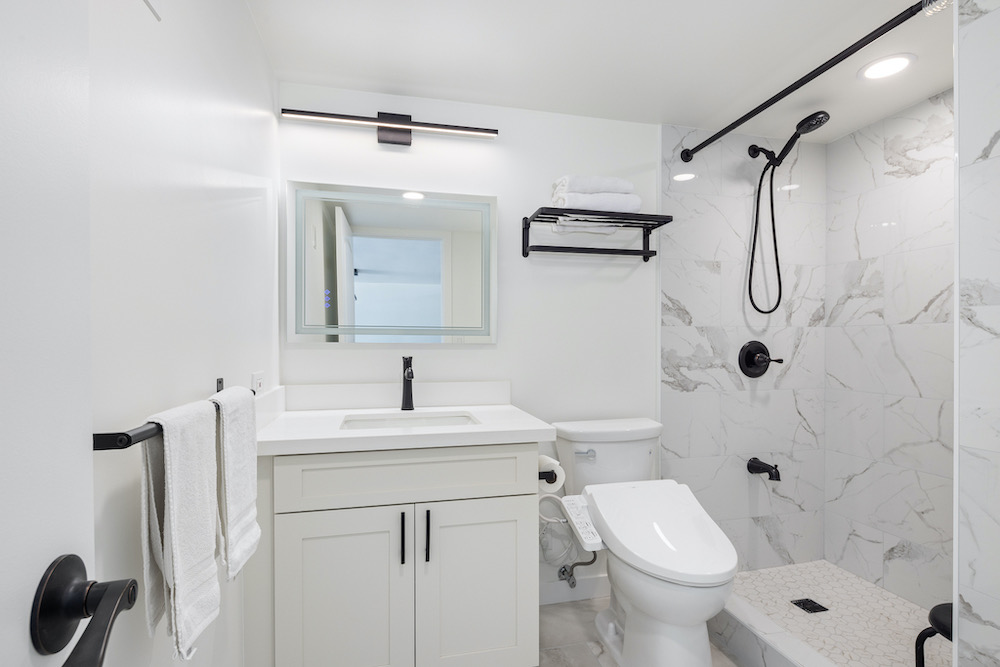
774	238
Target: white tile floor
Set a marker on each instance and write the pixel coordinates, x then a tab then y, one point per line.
866	626
568	637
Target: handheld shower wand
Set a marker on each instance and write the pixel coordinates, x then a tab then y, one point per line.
806	125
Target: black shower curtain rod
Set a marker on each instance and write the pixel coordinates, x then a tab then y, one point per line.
688	153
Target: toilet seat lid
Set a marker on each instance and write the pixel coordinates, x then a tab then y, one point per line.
658	527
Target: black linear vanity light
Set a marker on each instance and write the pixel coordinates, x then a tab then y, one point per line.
392	128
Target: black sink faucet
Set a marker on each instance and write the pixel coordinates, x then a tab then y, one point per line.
407	383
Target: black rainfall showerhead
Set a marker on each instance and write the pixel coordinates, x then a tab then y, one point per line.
812	122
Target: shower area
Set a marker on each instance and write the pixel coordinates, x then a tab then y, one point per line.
859	417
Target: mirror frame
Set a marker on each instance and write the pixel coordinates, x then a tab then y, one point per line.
486	205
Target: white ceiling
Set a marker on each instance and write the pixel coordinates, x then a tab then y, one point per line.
701	63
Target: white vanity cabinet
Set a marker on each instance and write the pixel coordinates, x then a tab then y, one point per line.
406	558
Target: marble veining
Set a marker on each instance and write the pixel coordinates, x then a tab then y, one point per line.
978	629
908	503
979	520
919	434
970	10
920	138
919	286
855	293
980	88
690	293
698	358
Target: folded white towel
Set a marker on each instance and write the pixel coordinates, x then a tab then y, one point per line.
592	184
601	201
237	459
179	517
568	224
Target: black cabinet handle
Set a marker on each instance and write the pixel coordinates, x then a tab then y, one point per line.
427	546
402	530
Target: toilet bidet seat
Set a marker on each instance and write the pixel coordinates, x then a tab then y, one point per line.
658	527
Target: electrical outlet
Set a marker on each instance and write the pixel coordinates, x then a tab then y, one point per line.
257	381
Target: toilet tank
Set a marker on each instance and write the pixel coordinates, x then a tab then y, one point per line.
606	450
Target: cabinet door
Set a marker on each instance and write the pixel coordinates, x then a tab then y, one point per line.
477	583
343	588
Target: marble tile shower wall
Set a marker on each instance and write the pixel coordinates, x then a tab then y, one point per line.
889	342
978	531
715	417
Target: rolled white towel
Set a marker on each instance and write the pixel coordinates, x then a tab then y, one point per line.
600	201
592	184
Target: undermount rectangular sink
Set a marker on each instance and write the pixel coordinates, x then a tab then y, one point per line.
407	420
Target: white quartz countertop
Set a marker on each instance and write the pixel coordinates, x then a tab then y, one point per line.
324	431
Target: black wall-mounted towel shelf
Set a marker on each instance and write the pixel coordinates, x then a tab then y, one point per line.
644	221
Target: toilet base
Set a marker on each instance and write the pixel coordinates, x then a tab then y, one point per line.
609	634
649	642
654	644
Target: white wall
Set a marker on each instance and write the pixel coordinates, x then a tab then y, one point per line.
183	250
577	334
45	458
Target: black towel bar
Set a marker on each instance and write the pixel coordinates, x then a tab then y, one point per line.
126	439
103	441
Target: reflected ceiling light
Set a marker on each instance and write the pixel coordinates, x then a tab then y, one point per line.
790	186
887	66
413	195
685	177
393	128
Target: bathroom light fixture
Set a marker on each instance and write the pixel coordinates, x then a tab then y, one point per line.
887	66
413	195
392	128
685	177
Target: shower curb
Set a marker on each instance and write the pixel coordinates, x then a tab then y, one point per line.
752	639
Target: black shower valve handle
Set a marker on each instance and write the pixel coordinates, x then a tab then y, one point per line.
755	358
763	360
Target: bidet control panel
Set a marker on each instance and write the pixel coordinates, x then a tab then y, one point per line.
579	518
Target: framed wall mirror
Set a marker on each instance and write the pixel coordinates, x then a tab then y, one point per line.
376	265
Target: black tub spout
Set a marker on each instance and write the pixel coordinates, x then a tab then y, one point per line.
756	466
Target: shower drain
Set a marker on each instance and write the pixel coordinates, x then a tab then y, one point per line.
809	605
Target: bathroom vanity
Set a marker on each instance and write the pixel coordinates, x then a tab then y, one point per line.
399	539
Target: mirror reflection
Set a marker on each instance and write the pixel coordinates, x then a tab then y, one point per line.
375	265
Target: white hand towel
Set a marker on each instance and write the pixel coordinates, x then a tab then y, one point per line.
179	519
237	457
592	184
602	201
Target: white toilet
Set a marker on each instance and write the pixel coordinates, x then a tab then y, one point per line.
670	566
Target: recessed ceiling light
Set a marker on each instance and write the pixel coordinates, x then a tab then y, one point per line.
413	195
887	66
685	177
